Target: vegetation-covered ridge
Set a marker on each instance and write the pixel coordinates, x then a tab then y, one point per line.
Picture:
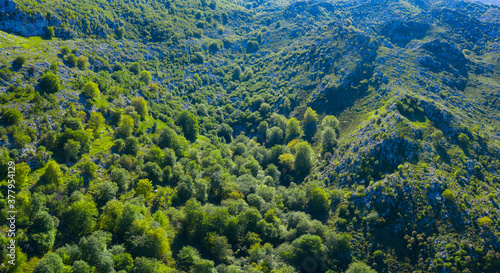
251	136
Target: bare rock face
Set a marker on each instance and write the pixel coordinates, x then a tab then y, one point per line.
13	19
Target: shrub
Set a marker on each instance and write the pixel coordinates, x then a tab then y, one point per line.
5	74
18	62
65	50
49	83
31	70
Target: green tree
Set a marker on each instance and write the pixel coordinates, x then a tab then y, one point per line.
274	136
360	267
111	213
72	123
437	135
463	139
294	130
120	33
156	155
307	246
81	267
91	90
81	217
72	60
93	250
328	139
82	62
252	46
12	116
141	106
121	177
225	18
50	32
42	232
310	120
225	131
89	168
144	188
214	46
135	68
72	150
153	171
449	195
303	157
219	247
236	73
106	191
52	175
96	122
204	266
330	121
51	263
22	171
49	83
189	124
264	109
187	257
131	146
318	200
145	77
126	126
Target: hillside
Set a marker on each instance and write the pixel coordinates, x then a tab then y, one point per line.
250	136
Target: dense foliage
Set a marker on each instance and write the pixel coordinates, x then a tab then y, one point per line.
253	136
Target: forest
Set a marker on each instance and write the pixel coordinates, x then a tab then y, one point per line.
230	136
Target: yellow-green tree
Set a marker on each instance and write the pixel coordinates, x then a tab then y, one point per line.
91	90
294	130
145	188
141	106
310	120
126	126
303	157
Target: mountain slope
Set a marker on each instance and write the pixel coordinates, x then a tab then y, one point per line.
252	136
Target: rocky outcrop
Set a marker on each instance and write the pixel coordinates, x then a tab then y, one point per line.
15	20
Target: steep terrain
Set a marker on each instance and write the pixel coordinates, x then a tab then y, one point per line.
251	136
